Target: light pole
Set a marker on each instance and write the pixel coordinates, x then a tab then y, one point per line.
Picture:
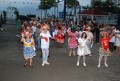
64	9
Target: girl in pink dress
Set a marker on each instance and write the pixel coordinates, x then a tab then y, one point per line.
72	43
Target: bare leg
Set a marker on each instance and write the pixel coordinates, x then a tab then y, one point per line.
74	52
70	51
31	63
26	62
78	60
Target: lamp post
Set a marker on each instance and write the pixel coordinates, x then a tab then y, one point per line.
64	10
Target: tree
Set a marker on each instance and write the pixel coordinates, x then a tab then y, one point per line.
73	4
107	6
46	4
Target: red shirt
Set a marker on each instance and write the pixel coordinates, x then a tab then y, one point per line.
105	42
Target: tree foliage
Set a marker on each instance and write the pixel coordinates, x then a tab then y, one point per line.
71	3
108	6
47	4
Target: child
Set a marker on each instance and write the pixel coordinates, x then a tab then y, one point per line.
104	48
82	48
45	42
28	50
59	37
72	41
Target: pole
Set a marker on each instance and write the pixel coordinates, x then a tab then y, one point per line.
64	9
75	12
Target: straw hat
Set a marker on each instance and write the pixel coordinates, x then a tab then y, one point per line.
88	28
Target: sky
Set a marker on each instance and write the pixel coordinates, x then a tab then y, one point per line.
31	6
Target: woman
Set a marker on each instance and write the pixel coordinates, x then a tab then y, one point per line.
72	44
83	50
104	48
90	38
28	49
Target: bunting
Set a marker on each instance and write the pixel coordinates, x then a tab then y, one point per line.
20	2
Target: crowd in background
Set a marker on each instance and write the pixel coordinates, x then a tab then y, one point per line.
36	33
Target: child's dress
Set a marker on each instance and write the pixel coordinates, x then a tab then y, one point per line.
28	50
82	47
59	37
105	50
72	40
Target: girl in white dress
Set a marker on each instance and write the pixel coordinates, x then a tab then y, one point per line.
82	48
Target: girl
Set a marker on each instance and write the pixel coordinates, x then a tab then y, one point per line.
59	37
104	48
72	42
28	49
82	48
45	42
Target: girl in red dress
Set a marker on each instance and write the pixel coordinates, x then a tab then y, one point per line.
104	48
59	37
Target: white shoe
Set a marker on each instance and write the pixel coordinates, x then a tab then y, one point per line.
98	66
77	63
90	54
43	64
47	63
84	64
106	65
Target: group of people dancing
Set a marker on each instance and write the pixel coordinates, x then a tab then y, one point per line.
80	39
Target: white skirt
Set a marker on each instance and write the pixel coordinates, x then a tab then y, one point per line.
81	51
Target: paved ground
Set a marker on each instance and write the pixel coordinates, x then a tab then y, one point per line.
62	68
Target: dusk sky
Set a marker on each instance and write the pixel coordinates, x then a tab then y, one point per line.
31	6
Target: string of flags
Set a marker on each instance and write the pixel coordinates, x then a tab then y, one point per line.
21	2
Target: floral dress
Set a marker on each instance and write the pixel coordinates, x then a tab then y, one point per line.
105	50
28	49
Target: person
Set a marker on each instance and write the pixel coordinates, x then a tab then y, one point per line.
97	33
117	42
112	40
59	36
45	42
38	31
89	38
104	48
82	50
72	44
28	49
